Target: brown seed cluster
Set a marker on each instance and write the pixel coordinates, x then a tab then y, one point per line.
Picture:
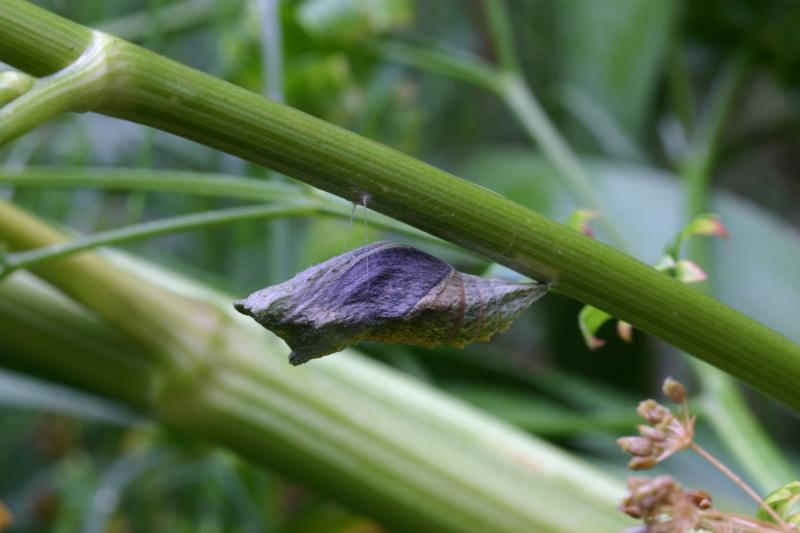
663	505
665	435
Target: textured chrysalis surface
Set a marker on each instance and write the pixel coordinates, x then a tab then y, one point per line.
386	292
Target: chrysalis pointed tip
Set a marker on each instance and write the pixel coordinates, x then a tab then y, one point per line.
242	307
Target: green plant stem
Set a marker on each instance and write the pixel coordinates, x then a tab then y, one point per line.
153	228
502	35
138	179
738	482
375	440
195	183
728	412
178	99
13	84
680	90
282	257
733	421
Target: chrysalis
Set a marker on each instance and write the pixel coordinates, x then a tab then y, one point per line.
386	292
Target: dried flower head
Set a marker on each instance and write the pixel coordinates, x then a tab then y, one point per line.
662	505
666	433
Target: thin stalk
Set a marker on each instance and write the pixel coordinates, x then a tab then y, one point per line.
680	90
455	64
719	465
281	258
145	230
195	183
180	100
137	179
172	18
729	414
502	35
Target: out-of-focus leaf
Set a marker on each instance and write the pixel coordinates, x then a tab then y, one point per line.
590	320
786	502
542	416
612	50
317	81
579	220
22	391
353	19
769	27
330	518
689	272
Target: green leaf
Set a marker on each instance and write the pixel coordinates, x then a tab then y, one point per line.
353	19
786	502
590	320
596	41
579	220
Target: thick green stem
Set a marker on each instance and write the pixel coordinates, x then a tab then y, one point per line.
727	410
734	423
175	98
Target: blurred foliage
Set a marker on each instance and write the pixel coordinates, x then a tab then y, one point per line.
602	70
767	27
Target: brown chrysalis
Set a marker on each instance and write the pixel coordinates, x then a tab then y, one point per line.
386	292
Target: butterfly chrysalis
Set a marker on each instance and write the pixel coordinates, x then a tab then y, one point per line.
386	292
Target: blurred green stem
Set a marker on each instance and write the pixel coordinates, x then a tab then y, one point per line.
282	256
512	89
680	89
171	18
137	85
26	259
196	183
727	409
502	35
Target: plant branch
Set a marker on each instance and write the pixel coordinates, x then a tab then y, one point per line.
735	425
144	230
738	482
730	416
14	84
502	36
195	183
180	100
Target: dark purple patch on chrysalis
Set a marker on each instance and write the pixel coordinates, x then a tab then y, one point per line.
385	284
